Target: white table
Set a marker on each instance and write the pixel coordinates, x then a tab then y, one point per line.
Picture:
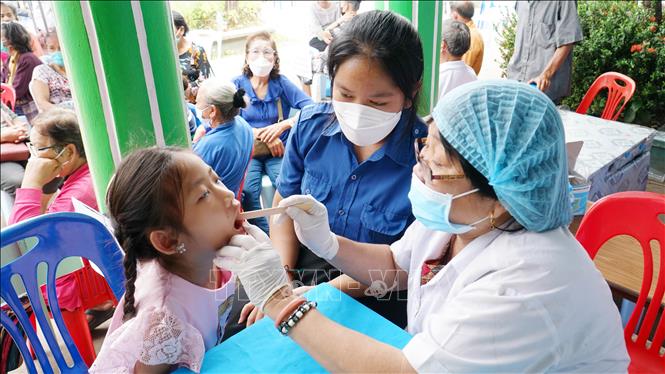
615	156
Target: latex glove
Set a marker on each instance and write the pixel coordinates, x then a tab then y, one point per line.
259	267
311	225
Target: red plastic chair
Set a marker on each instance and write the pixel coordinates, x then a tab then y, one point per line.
8	95
616	93
634	214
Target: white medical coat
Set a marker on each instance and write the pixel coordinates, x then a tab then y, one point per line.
509	302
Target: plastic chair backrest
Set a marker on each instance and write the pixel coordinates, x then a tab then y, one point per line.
59	235
615	94
8	95
634	214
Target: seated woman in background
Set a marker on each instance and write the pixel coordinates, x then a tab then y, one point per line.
57	155
49	85
17	70
271	98
227	144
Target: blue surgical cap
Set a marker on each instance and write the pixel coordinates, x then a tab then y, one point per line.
513	135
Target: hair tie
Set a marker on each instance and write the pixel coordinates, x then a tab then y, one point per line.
239	99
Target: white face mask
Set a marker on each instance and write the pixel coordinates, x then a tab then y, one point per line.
261	67
364	125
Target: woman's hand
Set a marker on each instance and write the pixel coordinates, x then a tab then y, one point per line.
40	171
311	225
250	313
14	133
268	134
276	148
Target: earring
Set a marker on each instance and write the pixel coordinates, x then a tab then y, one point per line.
180	248
492	221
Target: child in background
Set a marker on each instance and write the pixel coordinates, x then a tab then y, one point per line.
170	214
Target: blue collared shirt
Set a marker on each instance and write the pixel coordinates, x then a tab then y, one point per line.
227	149
366	202
261	113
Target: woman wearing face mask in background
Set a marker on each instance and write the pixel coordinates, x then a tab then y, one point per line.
271	98
354	155
228	140
57	156
49	86
496	282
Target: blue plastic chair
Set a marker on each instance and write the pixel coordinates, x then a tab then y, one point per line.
60	235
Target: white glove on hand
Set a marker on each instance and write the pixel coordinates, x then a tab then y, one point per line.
311	225
252	258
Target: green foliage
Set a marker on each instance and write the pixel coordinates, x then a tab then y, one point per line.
203	14
618	36
506	31
246	14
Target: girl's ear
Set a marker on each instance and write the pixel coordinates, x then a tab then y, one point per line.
164	241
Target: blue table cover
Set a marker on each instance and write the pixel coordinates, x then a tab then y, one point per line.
261	348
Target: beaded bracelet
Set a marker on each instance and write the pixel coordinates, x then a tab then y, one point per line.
289	309
287	325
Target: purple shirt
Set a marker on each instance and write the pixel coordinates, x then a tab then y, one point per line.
23	75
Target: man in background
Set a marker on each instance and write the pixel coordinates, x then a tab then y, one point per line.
455	42
463	11
544	39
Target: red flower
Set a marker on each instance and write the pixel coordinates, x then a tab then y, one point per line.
651	50
652	18
635	48
653	28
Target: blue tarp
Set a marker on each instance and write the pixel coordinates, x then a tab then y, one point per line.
261	348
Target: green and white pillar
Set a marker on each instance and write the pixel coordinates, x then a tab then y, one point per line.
123	71
426	16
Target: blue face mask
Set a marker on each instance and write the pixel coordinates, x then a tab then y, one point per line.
432	208
3	48
54	58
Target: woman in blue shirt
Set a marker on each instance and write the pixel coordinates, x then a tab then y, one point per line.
356	154
227	146
267	90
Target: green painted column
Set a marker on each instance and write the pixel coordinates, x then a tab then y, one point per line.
426	16
121	62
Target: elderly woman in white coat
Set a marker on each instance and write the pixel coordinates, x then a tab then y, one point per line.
496	282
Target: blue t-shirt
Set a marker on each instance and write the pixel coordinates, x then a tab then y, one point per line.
366	202
227	149
261	113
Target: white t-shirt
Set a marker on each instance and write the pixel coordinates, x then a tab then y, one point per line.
509	302
453	74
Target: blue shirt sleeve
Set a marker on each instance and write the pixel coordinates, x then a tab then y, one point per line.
293	95
293	165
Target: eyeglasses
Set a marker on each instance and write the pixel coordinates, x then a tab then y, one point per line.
418	146
33	150
265	52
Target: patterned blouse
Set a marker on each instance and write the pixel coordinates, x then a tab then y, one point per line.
194	63
58	85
